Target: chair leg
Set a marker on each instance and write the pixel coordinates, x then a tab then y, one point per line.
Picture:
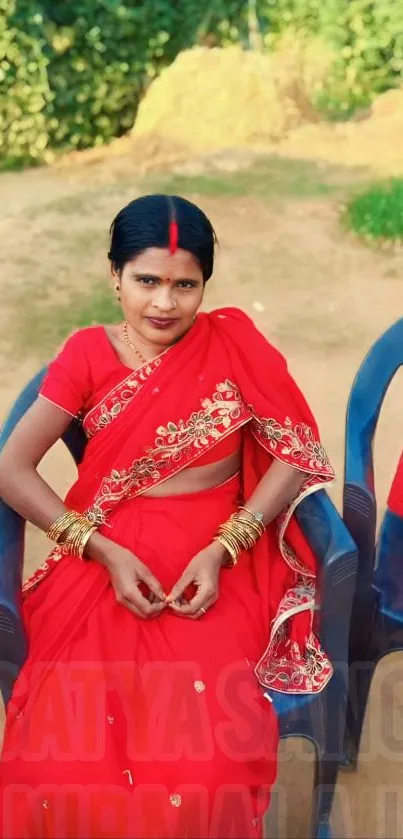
328	728
326	771
360	684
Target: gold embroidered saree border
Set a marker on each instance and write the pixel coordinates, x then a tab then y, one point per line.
33	581
176	446
315	672
119	397
293	444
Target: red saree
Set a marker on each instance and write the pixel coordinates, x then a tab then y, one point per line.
395	499
125	728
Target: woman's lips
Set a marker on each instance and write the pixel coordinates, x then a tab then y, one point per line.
162	323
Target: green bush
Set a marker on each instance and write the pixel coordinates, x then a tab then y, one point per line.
377	214
367	35
72	72
75	71
24	88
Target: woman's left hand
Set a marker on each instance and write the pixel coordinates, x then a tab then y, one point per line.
202	574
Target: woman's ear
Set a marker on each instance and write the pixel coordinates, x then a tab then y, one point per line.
116	280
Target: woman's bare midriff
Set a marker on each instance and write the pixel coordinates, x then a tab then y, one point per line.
198	478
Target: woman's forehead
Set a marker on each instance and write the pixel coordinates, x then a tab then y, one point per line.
161	263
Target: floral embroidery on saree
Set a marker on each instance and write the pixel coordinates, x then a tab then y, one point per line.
287	666
294	443
33	581
119	398
203	426
176	445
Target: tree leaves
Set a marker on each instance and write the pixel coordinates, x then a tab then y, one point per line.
72	74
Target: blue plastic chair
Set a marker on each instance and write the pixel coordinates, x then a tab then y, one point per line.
377	615
321	719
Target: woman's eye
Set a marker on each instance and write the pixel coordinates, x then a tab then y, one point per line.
146	280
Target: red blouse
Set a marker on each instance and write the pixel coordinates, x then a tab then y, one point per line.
87	368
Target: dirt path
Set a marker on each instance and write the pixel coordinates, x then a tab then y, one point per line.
322	298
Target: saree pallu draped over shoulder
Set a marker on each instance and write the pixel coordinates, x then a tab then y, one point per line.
222	376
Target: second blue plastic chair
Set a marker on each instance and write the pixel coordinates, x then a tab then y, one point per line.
377	615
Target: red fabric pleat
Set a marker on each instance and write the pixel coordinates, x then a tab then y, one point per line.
113	718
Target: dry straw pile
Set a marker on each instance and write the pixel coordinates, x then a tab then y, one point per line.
211	99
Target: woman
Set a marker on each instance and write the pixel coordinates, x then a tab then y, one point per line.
140	710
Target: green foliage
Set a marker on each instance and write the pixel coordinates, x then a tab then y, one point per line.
367	35
47	326
377	213
75	71
72	72
100	63
24	88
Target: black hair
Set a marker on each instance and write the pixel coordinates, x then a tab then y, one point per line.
145	223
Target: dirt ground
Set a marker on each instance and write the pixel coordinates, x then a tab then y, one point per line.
323	298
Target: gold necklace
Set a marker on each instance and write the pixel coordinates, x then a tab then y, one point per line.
127	341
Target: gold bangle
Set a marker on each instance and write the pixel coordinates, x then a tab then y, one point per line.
257	517
73	530
243	536
77	541
240	534
71	539
61	524
256	522
86	539
228	547
231	539
78	535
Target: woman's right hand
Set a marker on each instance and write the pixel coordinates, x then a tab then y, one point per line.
128	576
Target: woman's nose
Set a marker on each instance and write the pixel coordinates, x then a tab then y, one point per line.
164	300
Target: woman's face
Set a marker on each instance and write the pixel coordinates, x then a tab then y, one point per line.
160	294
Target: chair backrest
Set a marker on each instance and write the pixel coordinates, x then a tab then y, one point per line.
359	506
336	554
13	646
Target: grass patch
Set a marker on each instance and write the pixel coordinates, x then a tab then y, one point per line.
268	179
45	325
82	202
14	164
377	213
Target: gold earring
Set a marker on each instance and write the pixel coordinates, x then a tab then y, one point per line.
117	290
